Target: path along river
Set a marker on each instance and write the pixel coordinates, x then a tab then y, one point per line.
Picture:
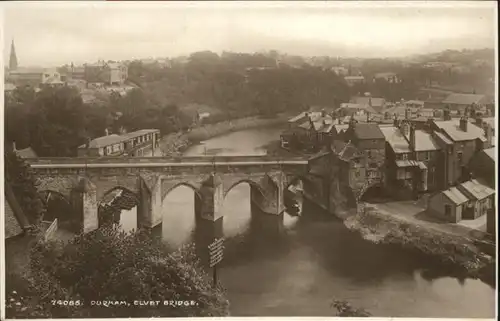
317	260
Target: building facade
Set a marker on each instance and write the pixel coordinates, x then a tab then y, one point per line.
143	142
106	73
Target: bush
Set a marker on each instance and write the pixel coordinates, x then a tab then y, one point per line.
110	265
344	309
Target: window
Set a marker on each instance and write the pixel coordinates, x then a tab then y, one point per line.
447	210
405	156
460	158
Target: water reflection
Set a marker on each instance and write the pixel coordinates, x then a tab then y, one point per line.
179	220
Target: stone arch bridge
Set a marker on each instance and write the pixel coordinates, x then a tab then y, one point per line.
85	181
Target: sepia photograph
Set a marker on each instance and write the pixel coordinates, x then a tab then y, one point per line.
249	159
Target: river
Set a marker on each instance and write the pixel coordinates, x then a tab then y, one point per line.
318	260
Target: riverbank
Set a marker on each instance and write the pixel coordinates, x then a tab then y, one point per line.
175	144
467	256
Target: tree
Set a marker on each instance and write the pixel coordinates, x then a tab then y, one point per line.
111	265
20	177
344	309
57	122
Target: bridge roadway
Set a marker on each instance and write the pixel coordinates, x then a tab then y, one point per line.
129	162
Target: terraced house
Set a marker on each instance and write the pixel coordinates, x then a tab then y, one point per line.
366	145
459	140
308	131
412	160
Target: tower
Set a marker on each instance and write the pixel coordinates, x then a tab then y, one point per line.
13	57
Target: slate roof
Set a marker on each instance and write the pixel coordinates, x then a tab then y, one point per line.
452	129
454	195
354	78
396	140
12	226
345	150
9	86
406	163
464	99
375	102
26	153
476	189
138	133
414	102
425	142
366	107
103	141
443	138
15	220
368	131
490	152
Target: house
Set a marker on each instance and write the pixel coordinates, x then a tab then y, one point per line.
448	205
459	102
418	104
340	71
378	104
481	198
370	142
353	80
34	77
348	164
488	125
8	87
350	109
110	73
390	77
459	140
138	143
483	166
27	152
308	131
76	72
412	159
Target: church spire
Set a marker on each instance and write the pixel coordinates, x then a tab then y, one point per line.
13	57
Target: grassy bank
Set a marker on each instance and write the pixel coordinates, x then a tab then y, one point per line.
468	257
175	144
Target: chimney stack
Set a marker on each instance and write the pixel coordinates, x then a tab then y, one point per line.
407	112
463	123
352	123
323	113
446	114
404	129
396	121
412	138
367	117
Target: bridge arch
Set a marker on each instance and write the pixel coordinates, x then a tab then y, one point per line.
373	190
169	189
119	209
251	182
56	205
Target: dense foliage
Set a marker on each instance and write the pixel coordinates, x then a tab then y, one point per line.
19	175
344	309
110	265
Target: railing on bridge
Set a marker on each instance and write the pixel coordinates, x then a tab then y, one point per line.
162	160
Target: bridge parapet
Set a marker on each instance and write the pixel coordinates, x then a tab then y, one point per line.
161	160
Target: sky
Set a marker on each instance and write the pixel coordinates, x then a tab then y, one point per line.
51	34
